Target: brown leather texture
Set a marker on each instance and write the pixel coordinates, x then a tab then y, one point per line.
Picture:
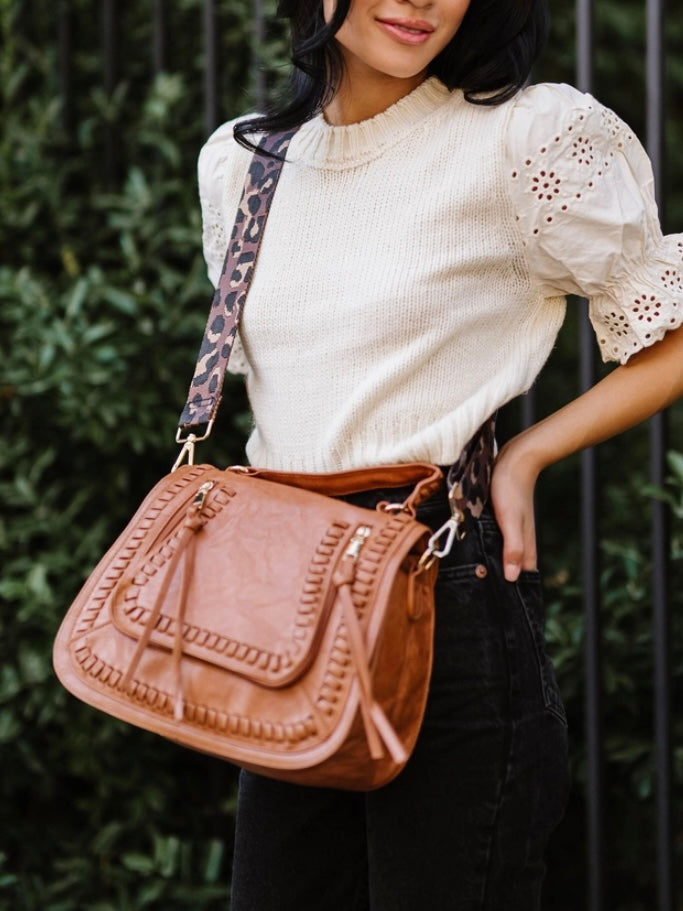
270	624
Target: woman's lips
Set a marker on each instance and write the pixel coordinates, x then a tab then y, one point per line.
407	31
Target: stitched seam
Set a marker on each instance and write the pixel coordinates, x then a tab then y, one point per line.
494	588
161	702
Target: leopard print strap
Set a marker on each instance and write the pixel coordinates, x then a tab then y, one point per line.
204	395
469	477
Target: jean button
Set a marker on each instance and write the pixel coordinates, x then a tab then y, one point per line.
481	572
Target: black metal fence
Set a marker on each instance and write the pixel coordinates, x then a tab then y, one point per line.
659	529
596	849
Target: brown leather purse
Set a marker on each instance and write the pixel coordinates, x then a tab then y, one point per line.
255	615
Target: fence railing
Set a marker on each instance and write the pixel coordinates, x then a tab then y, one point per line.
596	848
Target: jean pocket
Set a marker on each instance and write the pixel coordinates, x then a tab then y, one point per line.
470	679
530	593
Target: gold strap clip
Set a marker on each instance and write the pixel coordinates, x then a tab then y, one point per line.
187	451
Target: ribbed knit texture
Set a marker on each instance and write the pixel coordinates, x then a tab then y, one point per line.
412	272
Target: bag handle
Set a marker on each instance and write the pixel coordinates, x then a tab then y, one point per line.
424	477
204	394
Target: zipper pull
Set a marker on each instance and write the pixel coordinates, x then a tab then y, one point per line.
360	536
200	496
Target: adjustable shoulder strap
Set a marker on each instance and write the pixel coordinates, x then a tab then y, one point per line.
204	395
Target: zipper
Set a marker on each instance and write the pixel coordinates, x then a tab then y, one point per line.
360	536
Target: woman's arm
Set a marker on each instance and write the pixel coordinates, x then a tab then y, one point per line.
652	380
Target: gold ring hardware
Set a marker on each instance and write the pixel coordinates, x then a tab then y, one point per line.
425	562
396	507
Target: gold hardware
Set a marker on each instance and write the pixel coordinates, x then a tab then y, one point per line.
427	560
200	496
459	518
189	444
193	436
186	451
360	536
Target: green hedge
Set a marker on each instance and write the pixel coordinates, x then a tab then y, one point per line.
103	297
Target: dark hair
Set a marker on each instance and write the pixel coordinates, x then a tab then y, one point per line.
489	58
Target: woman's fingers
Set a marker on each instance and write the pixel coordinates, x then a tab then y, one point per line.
512	498
519	544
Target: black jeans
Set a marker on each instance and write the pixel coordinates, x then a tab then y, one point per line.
464	827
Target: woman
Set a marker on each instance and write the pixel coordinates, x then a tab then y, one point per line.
430	219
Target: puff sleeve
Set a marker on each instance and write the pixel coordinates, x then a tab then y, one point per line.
213	169
582	192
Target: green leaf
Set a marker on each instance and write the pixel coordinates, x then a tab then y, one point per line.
214	861
675	462
120	300
139	863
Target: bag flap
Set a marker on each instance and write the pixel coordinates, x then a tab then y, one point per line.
260	590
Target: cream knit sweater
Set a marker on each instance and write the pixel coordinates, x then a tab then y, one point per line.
414	266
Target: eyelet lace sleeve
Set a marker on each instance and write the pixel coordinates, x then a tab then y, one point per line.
583	195
215	229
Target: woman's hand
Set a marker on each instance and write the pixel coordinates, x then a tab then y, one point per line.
652	380
512	496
